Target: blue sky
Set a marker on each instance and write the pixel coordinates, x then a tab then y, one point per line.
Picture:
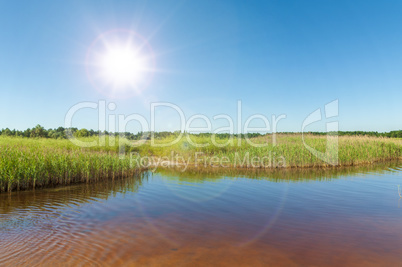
277	57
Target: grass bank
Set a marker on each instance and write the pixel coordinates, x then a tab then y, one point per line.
28	163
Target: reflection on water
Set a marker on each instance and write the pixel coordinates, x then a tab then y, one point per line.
329	217
281	174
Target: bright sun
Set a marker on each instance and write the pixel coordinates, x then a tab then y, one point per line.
120	63
122	66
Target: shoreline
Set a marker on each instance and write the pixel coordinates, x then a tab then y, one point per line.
175	165
239	171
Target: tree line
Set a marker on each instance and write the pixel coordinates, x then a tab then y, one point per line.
62	133
391	134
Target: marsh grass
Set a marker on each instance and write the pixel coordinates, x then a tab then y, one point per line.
352	150
30	163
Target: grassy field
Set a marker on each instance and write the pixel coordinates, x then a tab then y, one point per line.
29	163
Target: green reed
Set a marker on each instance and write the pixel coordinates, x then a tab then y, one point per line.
25	165
29	163
352	150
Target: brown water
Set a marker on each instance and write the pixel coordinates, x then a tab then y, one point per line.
337	217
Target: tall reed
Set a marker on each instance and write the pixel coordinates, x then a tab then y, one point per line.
30	166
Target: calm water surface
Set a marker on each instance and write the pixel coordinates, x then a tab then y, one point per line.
220	217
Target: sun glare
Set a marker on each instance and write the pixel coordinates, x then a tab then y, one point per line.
120	63
122	66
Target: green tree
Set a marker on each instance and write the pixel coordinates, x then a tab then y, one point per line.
6	132
82	133
38	131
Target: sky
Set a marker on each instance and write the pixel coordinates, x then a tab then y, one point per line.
277	58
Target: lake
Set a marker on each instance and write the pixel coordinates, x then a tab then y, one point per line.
325	217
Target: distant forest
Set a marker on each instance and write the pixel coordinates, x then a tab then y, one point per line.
62	133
